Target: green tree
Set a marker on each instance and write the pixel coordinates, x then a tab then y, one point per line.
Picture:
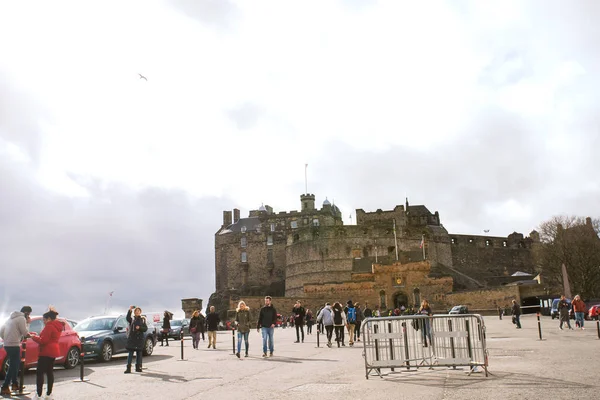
573	241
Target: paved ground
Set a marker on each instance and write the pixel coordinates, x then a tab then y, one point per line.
563	366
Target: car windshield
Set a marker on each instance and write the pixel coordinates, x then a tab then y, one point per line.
96	324
456	308
176	322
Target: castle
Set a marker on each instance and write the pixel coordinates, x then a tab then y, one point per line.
310	253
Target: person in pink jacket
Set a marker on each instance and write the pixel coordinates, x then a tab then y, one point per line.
49	351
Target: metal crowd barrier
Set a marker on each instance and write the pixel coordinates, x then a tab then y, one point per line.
420	341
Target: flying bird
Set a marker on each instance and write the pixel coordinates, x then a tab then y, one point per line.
486	230
143	77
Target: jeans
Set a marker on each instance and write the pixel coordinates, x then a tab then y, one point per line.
243	335
579	317
138	357
518	321
45	366
329	330
195	339
13	353
299	328
339	334
357	330
267	336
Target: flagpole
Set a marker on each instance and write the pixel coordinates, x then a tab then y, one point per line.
108	302
395	240
305	179
423	243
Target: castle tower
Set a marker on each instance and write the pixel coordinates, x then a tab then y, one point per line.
308	202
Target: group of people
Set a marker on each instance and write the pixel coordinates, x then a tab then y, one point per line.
14	331
564	308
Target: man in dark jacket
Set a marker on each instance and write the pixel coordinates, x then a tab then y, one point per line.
299	314
266	322
516	313
212	325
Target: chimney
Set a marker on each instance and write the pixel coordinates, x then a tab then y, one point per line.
226	218
236	215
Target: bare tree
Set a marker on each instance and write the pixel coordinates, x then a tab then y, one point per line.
573	241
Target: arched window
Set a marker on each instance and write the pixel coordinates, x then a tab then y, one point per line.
382	303
417	295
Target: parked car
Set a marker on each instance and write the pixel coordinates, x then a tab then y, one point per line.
69	344
459	310
106	335
177	325
594	312
554	309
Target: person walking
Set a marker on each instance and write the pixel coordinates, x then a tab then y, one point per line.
195	326
242	319
299	315
310	320
13	332
202	324
266	324
350	312
48	351
212	325
135	338
579	310
339	323
359	317
166	327
516	313
425	310
368	313
563	312
325	318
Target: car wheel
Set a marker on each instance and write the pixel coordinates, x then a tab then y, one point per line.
4	368
72	358
107	352
148	347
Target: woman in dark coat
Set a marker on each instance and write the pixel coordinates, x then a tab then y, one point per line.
135	338
166	327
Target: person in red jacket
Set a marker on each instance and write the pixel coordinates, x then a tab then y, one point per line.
48	352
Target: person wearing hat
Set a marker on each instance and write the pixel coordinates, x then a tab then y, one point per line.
13	332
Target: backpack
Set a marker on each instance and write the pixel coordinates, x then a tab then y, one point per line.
337	317
351	315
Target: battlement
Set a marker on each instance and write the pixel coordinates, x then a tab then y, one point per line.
513	241
405	215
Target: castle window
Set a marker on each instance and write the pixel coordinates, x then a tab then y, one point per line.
504	243
244	257
294	224
417	295
488	242
356	253
270	256
471	240
258	228
243	229
305	221
316	222
243	241
296	237
382	302
454	241
272	227
270	240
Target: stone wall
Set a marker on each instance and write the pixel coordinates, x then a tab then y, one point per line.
190	305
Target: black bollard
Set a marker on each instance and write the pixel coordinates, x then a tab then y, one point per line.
22	391
81	363
181	338
233	340
539	326
318	331
598	327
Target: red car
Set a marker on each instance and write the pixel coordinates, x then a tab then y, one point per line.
594	312
70	347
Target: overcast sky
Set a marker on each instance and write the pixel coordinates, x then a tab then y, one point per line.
484	111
